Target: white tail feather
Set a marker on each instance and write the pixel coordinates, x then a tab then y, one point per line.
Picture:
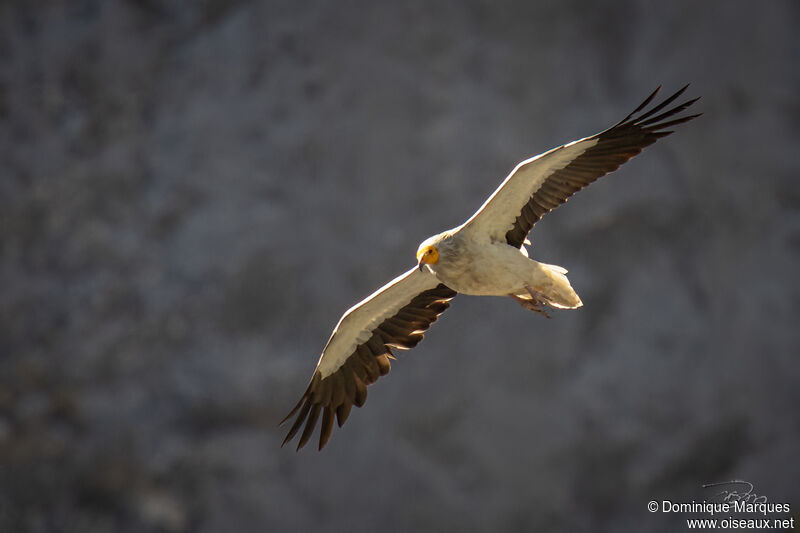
558	292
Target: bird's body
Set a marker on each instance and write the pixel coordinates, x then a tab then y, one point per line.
485	256
476	266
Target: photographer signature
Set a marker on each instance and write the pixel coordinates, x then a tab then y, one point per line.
737	490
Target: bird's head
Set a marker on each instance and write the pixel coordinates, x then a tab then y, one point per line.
427	255
429	251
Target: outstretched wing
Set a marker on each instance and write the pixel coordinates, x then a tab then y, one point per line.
540	184
358	352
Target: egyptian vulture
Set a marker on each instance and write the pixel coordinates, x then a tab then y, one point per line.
485	256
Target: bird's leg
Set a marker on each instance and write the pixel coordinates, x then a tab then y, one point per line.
536	303
530	305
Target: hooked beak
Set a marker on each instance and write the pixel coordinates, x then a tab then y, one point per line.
421	264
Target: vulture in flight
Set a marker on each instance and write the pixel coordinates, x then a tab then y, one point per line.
485	256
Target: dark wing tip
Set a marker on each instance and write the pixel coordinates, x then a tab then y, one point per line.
677	121
301	417
327	426
292	412
615	146
311	423
641	106
651	122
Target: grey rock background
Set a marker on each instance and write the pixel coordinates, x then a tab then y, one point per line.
191	193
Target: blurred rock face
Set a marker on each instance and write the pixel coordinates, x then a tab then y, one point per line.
192	193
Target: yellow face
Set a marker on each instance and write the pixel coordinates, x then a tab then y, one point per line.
427	255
